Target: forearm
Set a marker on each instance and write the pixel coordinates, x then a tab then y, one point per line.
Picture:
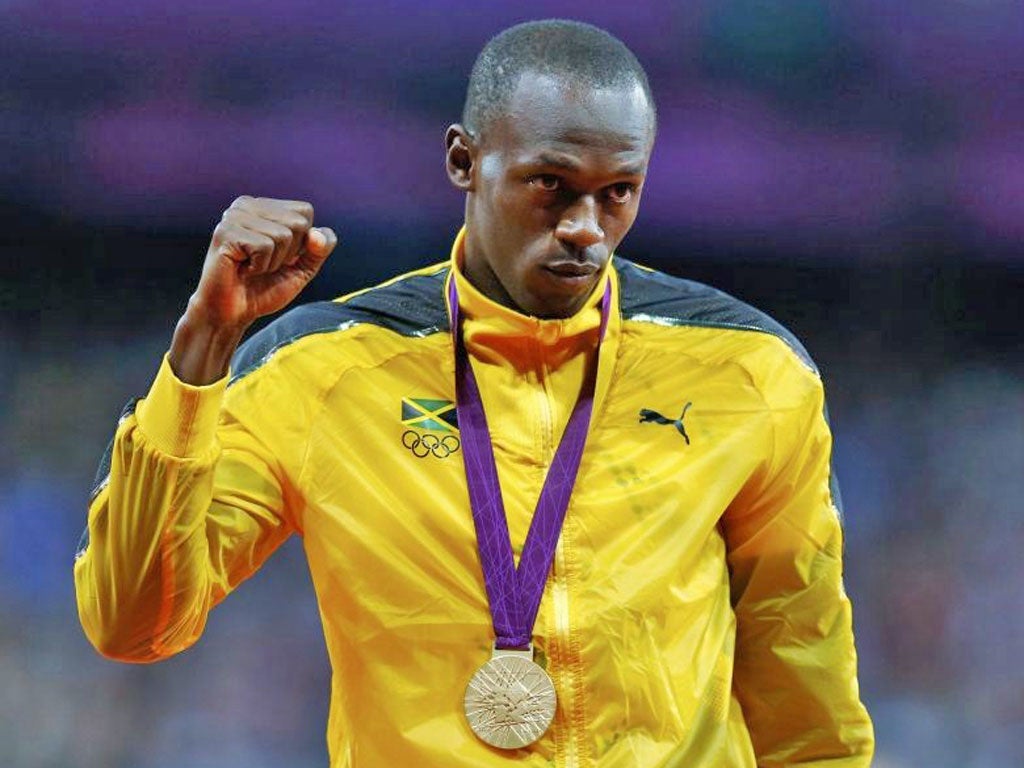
143	581
201	349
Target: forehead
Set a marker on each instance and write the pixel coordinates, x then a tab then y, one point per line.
548	115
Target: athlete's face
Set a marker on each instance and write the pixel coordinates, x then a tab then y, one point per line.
552	187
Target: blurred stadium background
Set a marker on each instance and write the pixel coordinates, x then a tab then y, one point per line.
855	168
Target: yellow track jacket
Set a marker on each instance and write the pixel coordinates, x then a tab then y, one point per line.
695	614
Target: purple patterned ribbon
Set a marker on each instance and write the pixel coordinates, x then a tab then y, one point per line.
515	593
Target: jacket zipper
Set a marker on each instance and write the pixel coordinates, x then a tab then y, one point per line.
560	584
560	602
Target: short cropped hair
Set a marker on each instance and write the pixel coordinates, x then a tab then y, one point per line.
556	47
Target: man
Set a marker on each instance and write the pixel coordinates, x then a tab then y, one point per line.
558	509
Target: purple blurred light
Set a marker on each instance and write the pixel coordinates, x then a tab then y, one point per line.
364	164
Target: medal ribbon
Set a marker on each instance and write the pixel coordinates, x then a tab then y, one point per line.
514	593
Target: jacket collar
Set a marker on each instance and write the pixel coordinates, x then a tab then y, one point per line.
497	335
489	323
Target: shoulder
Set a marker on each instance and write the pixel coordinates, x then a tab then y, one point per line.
654	298
410	305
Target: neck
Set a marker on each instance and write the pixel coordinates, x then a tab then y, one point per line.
491	319
479	273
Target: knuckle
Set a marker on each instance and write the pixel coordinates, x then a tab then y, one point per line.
261	248
222	232
261	240
304	209
280	234
241	201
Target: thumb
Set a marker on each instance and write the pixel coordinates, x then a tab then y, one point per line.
317	246
320	241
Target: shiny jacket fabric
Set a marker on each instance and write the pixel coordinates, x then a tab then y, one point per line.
695	614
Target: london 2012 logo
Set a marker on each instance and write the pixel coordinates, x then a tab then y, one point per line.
432	427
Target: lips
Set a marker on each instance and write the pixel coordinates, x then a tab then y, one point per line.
572	269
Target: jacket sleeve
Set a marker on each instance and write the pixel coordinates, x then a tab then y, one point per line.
796	667
193	504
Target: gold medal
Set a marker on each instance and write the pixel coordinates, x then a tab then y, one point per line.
510	701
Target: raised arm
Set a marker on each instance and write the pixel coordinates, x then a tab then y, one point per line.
192	498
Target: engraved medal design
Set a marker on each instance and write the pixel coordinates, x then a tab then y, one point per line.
510	701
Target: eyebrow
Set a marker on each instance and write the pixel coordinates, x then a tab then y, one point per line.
550	160
555	161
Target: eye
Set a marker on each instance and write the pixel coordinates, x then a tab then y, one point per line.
621	193
547	182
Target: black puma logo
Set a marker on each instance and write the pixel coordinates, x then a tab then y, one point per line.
649	416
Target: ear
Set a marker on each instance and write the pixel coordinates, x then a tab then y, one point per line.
460	157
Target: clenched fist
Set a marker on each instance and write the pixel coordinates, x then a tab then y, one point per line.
262	254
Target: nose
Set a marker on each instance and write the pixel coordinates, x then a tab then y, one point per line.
578	226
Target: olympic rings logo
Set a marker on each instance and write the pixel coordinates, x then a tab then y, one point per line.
422	446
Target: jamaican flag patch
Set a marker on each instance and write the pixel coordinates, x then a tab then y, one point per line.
426	413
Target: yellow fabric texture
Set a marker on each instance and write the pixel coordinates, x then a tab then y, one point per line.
695	614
